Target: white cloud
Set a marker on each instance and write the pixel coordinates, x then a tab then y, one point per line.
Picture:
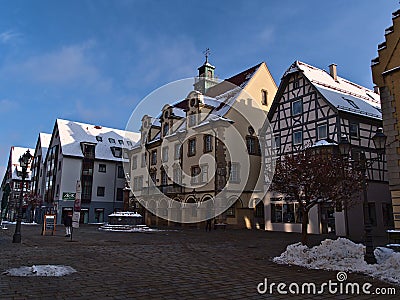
9	36
7	106
65	66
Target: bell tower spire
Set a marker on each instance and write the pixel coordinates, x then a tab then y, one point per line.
206	77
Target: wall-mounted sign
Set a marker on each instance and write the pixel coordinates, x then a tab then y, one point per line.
68	196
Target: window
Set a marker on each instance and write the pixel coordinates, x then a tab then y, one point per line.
120	172
253	147
116	151
297	107
102	168
120	194
88	151
234	175
192	119
99	138
111	140
143	160
298	137
207	143
153	175
164	177
354	130
177	152
100	191
352	103
138	183
322	132
285	213
192	147
99	215
153	158
129	143
134	162
165	129
277	142
125	153
177	175
59	166
164	156
121	142
87	167
204	173
195	171
264	94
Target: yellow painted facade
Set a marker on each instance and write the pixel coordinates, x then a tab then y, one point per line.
386	76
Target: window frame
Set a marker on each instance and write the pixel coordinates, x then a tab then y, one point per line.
294	137
191	147
318	131
208	146
99	189
295	113
102	168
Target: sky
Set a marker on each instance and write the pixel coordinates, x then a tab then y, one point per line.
93	61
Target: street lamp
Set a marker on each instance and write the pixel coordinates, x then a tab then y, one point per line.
24	161
363	163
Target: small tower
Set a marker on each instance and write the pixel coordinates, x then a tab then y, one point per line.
206	78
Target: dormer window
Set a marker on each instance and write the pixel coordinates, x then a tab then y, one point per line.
121	142
192	102
88	150
166	114
99	138
116	151
111	140
129	143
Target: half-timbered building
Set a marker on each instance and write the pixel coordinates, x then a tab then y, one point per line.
313	106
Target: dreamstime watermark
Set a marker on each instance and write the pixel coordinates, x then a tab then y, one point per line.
197	154
333	287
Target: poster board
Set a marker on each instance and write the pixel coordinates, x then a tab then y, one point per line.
49	224
77	206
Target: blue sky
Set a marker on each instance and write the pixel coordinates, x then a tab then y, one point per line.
93	61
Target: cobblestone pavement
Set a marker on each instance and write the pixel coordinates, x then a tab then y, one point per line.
174	264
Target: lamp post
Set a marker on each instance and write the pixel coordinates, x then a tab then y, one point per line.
363	163
24	161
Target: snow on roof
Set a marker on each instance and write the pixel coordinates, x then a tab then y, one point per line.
342	93
45	139
16	153
72	134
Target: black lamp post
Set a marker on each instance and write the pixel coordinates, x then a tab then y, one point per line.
363	163
24	161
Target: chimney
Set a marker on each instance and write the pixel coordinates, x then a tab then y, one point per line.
333	71
376	90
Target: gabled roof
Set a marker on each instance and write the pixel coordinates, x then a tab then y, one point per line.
219	98
341	93
72	134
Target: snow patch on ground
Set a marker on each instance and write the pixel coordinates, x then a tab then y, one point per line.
41	270
343	255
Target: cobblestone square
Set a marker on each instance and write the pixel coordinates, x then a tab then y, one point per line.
170	264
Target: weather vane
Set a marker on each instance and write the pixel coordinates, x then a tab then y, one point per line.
207	53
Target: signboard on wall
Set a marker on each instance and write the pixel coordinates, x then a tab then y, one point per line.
68	196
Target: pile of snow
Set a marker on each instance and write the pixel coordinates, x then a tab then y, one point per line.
40	270
343	255
13	223
125	214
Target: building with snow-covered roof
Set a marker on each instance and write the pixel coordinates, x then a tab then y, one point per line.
190	152
13	177
386	75
94	156
316	107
